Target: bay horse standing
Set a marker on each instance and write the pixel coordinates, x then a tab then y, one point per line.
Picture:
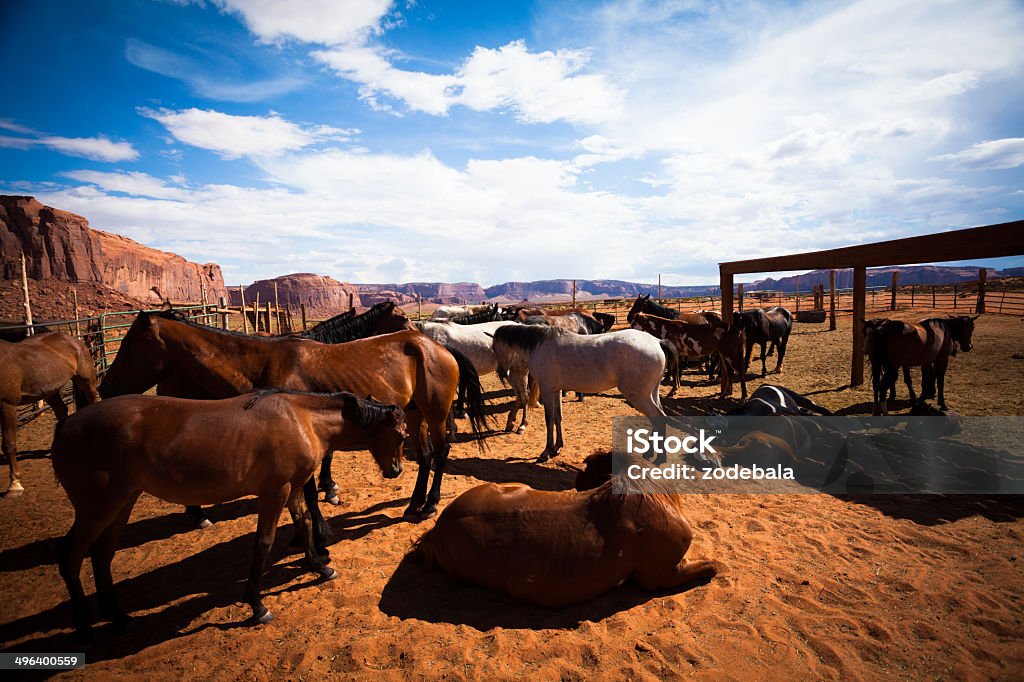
558	361
37	369
403	368
561	548
927	344
266	444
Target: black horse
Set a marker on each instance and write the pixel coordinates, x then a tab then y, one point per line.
492	314
644	304
769	328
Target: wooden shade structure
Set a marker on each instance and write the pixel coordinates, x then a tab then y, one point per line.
990	241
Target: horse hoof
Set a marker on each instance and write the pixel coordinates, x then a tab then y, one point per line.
15	490
521	430
263	616
203	524
329	489
333	500
329	574
544	457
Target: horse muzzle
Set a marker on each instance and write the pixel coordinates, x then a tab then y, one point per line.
966	347
395	471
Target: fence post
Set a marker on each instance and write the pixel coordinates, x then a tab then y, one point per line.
270	328
223	314
912	287
302	309
857	363
351	299
980	307
933	296
245	313
895	283
954	297
103	341
78	325
574	292
29	329
832	300
277	309
739	296
797	293
1001	299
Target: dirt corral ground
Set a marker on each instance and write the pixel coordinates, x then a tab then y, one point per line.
813	585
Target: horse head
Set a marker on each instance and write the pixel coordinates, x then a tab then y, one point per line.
638	307
962	330
385	433
139	364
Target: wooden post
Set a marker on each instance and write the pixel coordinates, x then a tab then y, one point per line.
933	296
911	295
725	284
223	313
245	314
978	309
103	341
797	286
351	305
419	306
78	325
270	329
29	329
895	283
739	296
574	292
1001	299
256	313
302	309
659	287
857	364
832	300
202	287
954	297
277	309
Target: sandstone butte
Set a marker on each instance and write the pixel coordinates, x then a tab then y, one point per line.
323	296
61	246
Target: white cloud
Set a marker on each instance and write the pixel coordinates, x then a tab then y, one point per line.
538	87
99	148
992	154
235	136
132	183
327	22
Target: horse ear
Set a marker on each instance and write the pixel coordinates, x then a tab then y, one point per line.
489	334
975	317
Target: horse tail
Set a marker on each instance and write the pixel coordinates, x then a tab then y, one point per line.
424	547
807	403
671	358
469	386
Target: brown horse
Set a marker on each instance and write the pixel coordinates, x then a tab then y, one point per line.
699	340
928	344
37	369
265	444
398	369
560	548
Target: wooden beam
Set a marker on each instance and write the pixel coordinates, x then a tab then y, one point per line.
979	308
990	241
726	287
860	277
832	300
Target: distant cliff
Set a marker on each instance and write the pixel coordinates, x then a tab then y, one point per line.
458	293
61	246
322	296
877	277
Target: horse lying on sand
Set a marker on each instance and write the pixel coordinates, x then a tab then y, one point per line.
266	444
559	361
561	548
37	369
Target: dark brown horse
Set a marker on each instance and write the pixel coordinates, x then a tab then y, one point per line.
400	369
560	548
928	344
265	444
767	328
37	369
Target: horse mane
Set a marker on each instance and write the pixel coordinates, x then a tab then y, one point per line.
621	490
346	327
526	337
489	315
370	412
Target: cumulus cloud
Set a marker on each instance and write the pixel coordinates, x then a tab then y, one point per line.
98	148
327	22
989	155
235	136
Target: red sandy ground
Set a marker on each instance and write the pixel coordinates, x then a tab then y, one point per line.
813	585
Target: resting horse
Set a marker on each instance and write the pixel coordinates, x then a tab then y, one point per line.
927	344
561	548
398	369
558	361
266	444
769	328
37	369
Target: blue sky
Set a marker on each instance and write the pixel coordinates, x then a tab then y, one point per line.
379	141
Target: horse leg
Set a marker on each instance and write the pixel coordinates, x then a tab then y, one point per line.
421	447
782	343
938	373
764	367
303	521
440	450
459	407
910	385
102	553
71	551
202	521
519	378
327	484
550	400
56	403
271	505
750	351
683	573
9	428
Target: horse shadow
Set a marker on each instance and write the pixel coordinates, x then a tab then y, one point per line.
697	405
191	575
415	591
354	525
512	470
43	552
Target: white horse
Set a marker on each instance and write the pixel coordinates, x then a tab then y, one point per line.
446	312
629	360
474	341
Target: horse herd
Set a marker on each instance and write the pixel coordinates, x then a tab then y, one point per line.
239	415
